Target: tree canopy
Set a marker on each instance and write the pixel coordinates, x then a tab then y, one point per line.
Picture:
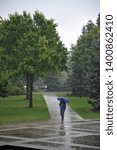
30	45
85	66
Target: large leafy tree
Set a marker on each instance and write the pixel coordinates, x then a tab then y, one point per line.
4	74
32	47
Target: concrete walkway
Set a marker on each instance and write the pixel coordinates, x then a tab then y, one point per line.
74	134
53	107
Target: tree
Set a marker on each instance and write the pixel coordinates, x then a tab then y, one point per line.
56	81
4	74
86	63
33	47
3	84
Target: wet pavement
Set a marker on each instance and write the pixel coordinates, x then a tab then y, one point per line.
74	133
53	107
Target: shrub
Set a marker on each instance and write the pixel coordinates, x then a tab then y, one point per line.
3	88
16	89
95	104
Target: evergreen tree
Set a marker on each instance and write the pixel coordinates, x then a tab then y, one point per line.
86	64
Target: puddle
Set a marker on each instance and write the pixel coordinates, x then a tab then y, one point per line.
2	139
8	147
87	126
92	140
48	144
82	148
29	133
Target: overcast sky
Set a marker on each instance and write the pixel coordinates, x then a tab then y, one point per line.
70	15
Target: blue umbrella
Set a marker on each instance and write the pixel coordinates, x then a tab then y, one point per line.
63	99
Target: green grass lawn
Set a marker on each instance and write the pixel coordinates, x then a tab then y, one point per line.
15	109
81	106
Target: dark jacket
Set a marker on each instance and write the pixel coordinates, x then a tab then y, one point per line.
62	105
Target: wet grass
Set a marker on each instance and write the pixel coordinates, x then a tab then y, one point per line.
81	106
15	109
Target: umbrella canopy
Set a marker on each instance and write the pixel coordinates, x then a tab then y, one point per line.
63	99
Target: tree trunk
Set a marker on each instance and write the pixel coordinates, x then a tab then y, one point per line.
80	86
27	87
31	77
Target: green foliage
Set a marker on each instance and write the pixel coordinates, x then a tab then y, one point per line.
15	89
56	82
95	104
4	84
85	59
3	88
31	46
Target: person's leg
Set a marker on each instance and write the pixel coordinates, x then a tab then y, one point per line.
62	114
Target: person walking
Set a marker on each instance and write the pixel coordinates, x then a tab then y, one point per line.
62	106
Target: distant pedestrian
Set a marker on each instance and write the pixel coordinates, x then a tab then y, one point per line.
62	106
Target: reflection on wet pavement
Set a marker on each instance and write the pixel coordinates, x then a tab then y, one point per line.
92	140
74	133
8	147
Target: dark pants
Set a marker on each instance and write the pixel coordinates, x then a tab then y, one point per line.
62	111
